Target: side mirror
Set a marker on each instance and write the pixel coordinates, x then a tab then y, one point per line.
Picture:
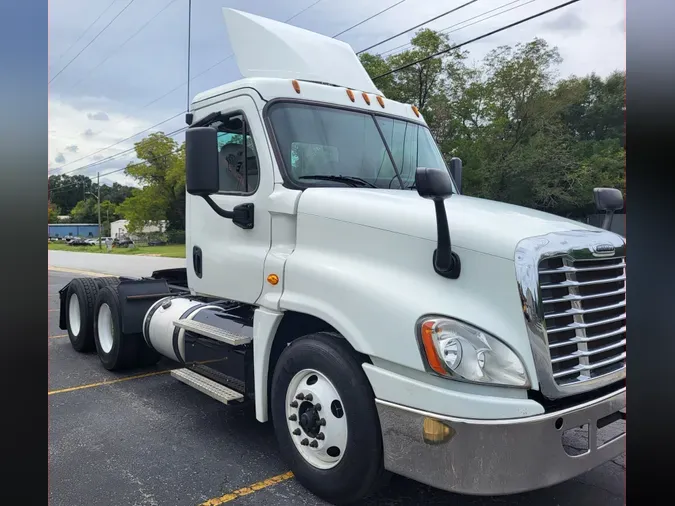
608	200
456	171
436	185
433	184
201	161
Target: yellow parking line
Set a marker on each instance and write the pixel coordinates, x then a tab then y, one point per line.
248	490
107	382
56	337
52	310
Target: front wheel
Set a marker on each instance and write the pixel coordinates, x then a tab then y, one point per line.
325	419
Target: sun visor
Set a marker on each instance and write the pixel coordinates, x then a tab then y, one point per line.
268	48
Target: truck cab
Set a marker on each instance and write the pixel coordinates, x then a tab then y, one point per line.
383	321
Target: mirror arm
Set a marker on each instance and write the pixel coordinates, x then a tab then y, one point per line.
217	209
446	262
607	221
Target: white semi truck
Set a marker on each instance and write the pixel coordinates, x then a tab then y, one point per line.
337	278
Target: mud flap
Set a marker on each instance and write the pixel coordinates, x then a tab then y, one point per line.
136	297
63	325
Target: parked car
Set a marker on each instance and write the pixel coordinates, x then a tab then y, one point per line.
156	242
125	242
78	242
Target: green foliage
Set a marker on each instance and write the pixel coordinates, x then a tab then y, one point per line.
161	173
66	191
85	211
52	213
524	136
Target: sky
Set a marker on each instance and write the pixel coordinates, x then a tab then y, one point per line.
133	75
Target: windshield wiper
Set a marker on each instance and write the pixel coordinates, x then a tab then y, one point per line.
351	180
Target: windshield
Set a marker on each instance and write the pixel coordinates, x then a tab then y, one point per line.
325	141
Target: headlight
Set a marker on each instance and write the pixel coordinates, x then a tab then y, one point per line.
457	350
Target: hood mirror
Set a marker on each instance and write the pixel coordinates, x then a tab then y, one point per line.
608	200
436	185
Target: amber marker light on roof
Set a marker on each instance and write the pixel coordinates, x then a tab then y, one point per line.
366	98
416	111
350	94
296	86
380	100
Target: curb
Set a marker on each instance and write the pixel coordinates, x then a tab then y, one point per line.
77	271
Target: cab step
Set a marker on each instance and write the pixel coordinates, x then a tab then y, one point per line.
204	329
207	386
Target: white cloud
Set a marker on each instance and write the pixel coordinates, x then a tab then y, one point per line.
72	139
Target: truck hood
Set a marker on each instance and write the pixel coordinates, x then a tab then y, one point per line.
476	224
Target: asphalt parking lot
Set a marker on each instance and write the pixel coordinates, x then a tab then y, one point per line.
143	438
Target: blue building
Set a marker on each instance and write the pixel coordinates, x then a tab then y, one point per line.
83	230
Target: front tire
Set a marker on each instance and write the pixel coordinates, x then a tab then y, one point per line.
325	419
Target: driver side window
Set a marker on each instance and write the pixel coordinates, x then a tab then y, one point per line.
237	157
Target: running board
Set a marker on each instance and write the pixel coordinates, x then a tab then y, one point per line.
207	386
204	329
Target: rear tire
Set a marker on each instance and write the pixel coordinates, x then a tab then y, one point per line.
80	301
345	464
117	350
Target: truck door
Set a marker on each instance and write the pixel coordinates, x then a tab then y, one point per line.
225	259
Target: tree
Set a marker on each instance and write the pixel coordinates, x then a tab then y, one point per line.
66	191
85	211
52	213
524	136
161	172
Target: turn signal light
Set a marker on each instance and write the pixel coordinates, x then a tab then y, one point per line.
272	279
430	350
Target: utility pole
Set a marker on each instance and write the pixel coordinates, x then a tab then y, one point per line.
98	183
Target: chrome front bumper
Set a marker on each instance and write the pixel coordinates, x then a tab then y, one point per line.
497	457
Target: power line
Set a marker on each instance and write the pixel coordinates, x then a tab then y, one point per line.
445	30
124	43
117	155
92	40
417	26
119	142
475	39
303	10
368	19
84	32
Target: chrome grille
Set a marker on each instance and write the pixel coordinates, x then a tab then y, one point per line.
584	310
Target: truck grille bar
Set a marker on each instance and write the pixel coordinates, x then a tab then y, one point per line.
584	306
572	288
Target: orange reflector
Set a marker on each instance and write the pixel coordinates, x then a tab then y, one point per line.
272	279
435	432
296	86
366	98
381	101
350	94
416	111
430	350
